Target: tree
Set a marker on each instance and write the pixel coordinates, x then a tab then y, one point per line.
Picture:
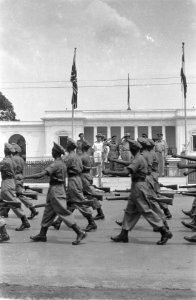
6	109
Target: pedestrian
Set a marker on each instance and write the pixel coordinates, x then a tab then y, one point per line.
8	184
113	151
105	152
161	148
56	201
87	179
98	153
138	203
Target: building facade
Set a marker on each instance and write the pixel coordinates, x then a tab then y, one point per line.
37	138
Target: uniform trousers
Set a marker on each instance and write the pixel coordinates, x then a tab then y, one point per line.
139	205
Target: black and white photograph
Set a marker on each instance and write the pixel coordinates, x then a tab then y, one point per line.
98	149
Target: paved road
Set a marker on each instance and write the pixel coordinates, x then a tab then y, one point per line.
99	268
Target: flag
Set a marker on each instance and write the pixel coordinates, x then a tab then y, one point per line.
128	93
182	73
73	79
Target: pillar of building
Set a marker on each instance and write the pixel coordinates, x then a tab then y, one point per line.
149	132
95	131
108	132
136	132
164	132
122	131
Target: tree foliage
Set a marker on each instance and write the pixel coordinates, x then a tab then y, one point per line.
6	109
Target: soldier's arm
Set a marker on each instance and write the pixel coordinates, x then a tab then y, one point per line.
36	175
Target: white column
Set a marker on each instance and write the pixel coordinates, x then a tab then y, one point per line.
95	131
136	132
122	131
164	132
108	132
149	132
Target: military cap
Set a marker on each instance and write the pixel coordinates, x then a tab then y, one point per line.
143	141
16	147
127	134
99	135
80	134
71	142
86	144
159	134
152	143
134	144
114	136
58	148
9	147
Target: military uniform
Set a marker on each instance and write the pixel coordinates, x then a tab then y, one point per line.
161	149
113	153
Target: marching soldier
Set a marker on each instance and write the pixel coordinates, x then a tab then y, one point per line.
56	204
8	185
87	179
138	203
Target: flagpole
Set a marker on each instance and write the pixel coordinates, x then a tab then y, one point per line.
73	104
128	100
185	104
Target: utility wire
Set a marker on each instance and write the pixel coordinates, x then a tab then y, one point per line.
93	86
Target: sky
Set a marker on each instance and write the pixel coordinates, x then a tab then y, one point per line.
113	38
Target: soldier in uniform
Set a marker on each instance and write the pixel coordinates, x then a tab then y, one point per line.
98	152
161	148
138	203
56	204
124	148
113	152
87	179
19	161
79	143
8	185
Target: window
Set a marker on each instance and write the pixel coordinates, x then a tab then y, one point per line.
194	142
63	141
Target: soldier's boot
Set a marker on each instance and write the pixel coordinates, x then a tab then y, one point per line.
4	237
167	213
80	234
57	224
191	225
100	214
25	224
41	237
91	224
34	213
156	229
4	212
165	235
188	213
191	239
122	237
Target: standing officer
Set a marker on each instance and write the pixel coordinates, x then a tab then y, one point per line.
56	204
98	153
124	146
8	185
161	148
113	152
138	203
79	143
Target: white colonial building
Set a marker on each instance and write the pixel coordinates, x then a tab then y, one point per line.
37	137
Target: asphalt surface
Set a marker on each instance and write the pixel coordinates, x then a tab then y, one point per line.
99	268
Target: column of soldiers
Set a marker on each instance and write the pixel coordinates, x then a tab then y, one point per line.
139	160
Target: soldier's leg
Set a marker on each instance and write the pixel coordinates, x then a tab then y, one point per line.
4	237
27	202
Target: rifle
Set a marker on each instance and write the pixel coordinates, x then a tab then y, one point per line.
188	173
184	157
165	200
97	196
167	194
187	194
35	189
10	204
93	203
105	189
123	191
169	186
184	166
39	205
188	186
